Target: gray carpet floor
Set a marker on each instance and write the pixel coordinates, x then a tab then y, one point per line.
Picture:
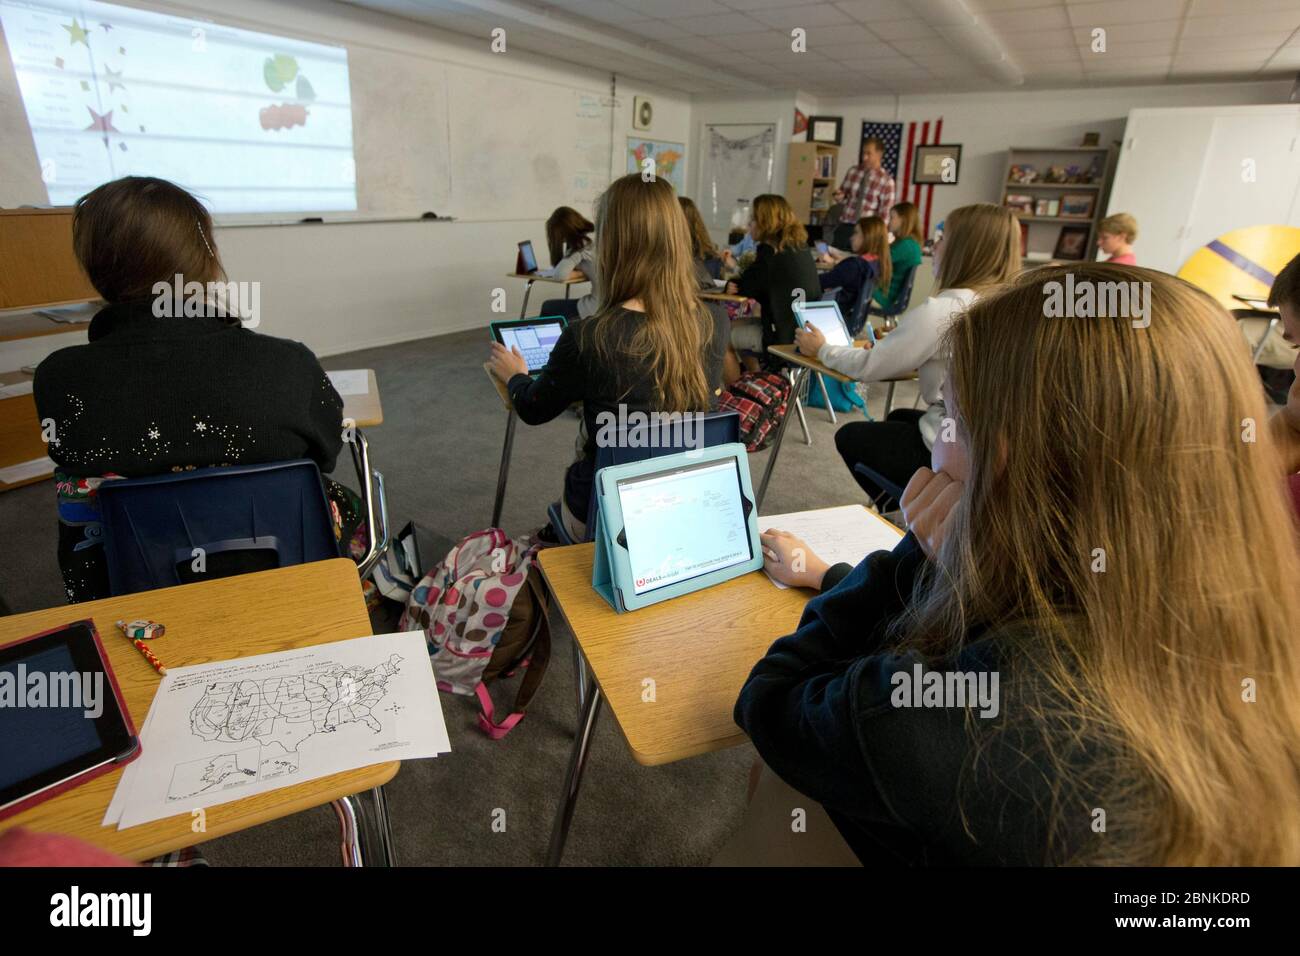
439	448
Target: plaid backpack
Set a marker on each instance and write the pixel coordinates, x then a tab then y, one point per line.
484	616
761	399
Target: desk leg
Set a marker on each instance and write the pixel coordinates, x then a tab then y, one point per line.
579	674
504	471
1259	347
776	445
573	778
797	390
366	830
889	398
528	288
830	411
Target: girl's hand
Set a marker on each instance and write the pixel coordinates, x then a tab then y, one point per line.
809	340
790	561
506	363
727	258
928	501
732	289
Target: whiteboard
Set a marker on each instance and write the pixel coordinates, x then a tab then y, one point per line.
520	147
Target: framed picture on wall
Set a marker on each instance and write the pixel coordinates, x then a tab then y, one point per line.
1077	205
1072	243
825	129
936	165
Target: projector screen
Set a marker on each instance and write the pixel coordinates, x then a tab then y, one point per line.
249	122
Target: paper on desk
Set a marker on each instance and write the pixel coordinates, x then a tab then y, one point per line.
353	381
27	469
71	314
232	729
17	388
848	533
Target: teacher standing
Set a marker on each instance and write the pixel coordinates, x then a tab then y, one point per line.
867	190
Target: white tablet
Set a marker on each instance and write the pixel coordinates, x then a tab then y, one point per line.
824	316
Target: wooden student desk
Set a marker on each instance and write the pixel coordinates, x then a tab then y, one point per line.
365	410
217	620
727	627
533	277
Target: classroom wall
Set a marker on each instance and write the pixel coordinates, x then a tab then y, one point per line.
987	124
340	287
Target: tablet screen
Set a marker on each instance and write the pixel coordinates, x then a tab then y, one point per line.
530	257
59	715
826	317
684	522
534	341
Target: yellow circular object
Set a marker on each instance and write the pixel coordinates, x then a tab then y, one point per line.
1242	262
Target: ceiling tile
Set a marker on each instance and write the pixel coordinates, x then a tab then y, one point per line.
815	15
1112	12
719	23
875	11
656	29
1022	21
1280	24
1212	8
1228	44
902	30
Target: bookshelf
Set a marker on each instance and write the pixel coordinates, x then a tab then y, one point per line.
810	179
1049	204
38	269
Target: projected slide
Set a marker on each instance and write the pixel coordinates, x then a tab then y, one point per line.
684	524
248	121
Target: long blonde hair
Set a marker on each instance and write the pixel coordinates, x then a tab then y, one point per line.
776	224
643	251
1125	538
702	246
981	248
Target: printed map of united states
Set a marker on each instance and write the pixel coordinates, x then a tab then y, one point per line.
286	710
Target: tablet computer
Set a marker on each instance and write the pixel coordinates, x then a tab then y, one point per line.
526	262
825	316
674	524
62	717
533	337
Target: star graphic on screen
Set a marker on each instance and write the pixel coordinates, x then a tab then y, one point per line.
101	121
76	33
114	79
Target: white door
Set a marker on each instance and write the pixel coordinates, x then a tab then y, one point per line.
1250	178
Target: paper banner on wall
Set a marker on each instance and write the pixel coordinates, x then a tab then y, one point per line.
738	164
669	160
800	126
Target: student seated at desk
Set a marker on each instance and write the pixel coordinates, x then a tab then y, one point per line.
1285	424
869	263
782	264
650	346
158	389
1130	584
708	261
568	239
1115	237
904	252
980	249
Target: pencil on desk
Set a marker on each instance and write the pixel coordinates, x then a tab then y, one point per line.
143	649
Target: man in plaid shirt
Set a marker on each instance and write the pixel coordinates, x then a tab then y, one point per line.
867	190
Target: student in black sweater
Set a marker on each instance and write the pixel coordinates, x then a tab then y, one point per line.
1142	639
783	269
159	388
651	345
868	263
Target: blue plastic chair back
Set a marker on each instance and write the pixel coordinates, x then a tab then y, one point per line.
858	317
719	428
243	518
887	487
904	298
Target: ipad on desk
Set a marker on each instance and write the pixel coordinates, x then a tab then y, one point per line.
825	316
533	337
672	525
526	261
62	717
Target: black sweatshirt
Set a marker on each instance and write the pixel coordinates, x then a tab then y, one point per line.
771	280
150	395
575	372
818	709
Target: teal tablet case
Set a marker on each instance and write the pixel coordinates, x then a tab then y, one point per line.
611	574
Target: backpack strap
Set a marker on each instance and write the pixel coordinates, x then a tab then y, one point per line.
538	656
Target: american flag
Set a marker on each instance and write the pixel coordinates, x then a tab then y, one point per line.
894	136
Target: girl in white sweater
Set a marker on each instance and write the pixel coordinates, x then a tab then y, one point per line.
979	249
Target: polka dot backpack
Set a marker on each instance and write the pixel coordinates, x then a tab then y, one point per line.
483	613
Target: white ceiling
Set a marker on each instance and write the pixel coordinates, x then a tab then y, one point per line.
864	47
